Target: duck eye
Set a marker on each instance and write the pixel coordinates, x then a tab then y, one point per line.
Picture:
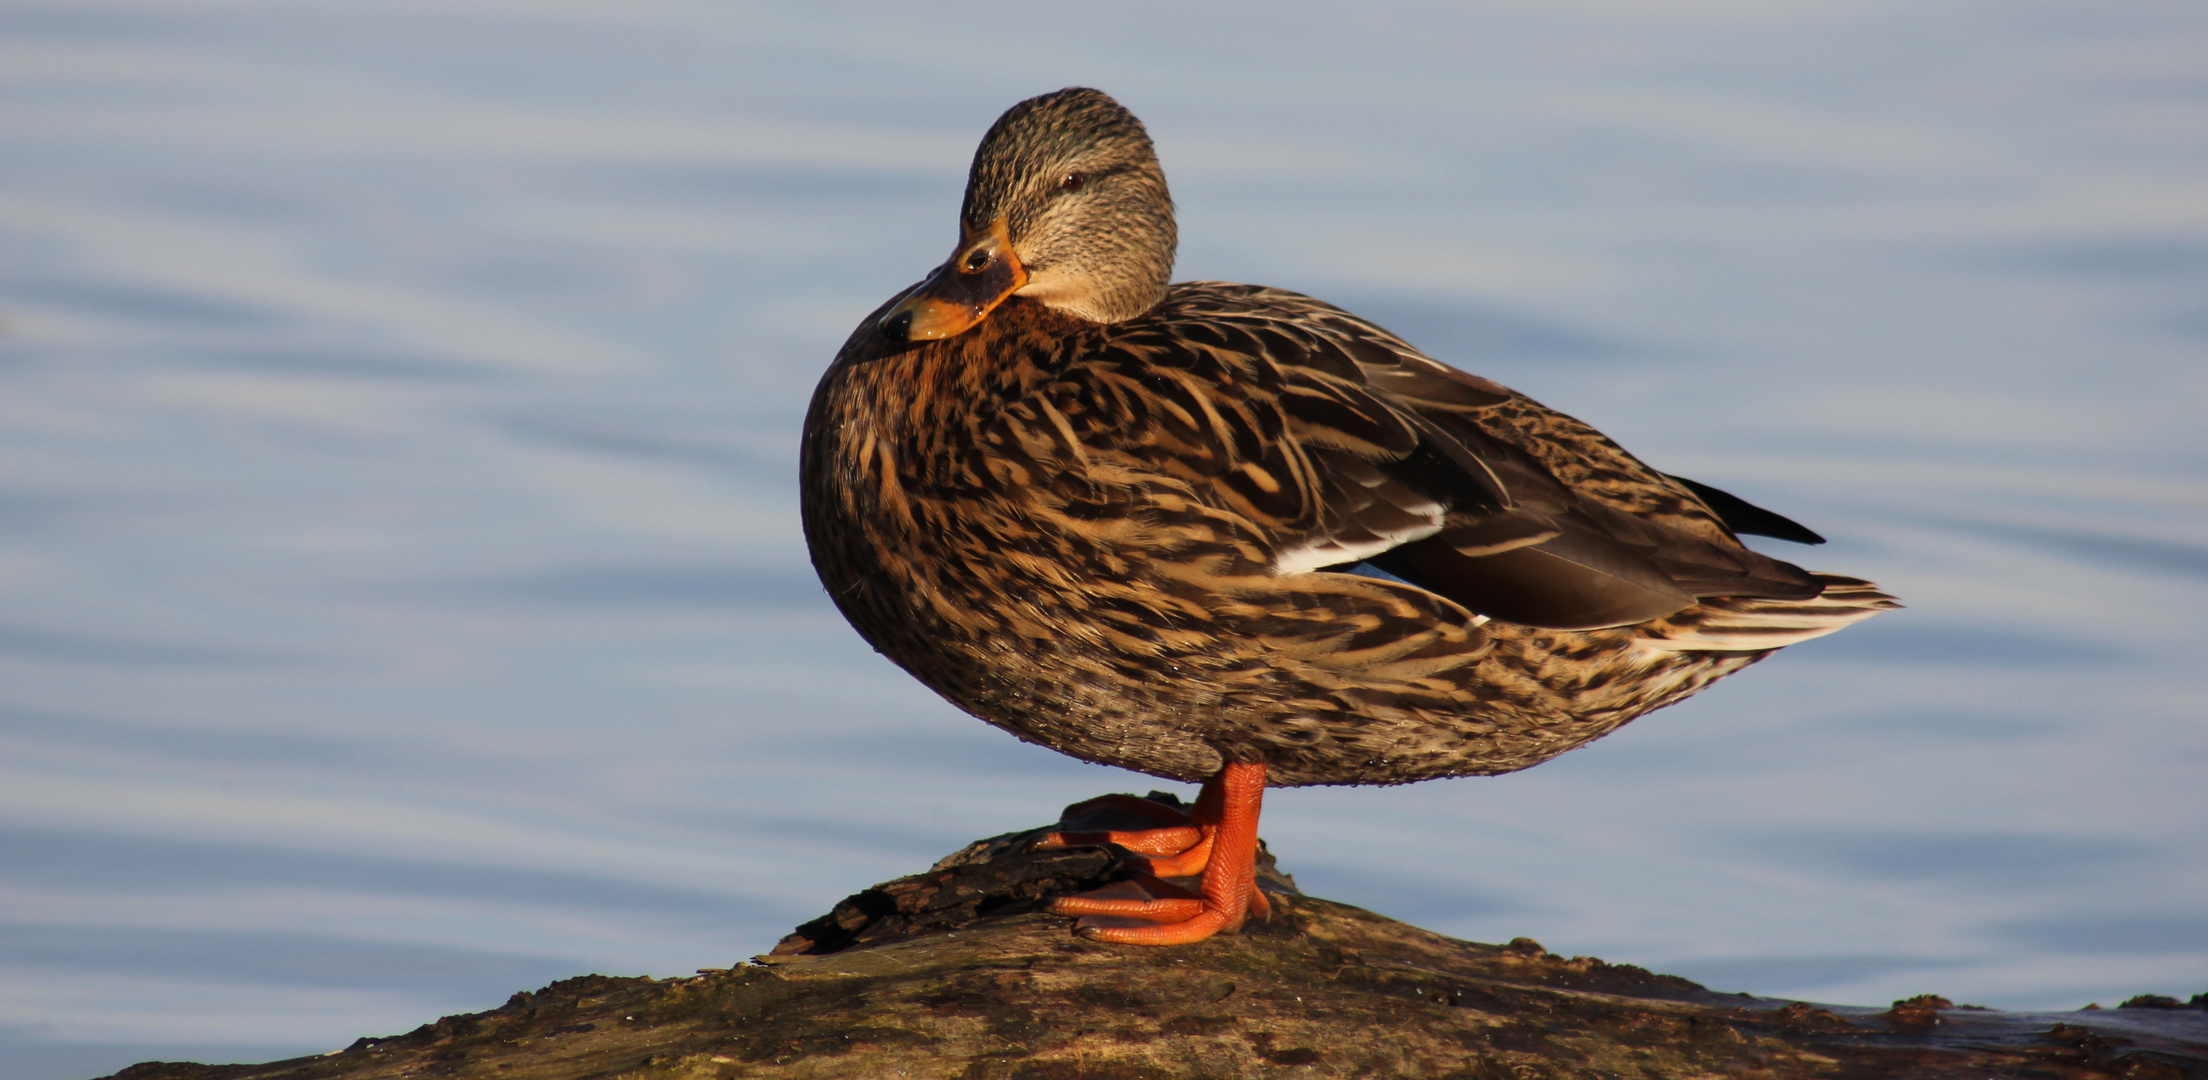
1073	180
977	260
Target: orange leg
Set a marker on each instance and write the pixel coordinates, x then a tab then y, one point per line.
1226	815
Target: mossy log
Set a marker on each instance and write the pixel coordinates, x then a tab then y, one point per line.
956	973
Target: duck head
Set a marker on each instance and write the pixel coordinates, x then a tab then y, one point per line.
1065	205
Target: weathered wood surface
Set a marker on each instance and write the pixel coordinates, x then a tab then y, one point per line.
952	973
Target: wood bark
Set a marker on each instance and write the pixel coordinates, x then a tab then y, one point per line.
955	973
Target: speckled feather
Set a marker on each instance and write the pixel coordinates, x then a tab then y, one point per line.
1169	527
1071	530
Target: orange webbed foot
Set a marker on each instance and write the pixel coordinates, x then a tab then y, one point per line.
1171	831
1149	911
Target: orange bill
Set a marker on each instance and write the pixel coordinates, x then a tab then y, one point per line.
962	291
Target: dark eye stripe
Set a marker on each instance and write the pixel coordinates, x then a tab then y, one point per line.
1079	178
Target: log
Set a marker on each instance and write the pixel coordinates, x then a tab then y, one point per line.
956	973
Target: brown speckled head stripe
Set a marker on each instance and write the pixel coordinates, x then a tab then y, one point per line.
1111	226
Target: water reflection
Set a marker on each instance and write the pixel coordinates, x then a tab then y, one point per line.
401	594
1445	327
138	303
2143	555
1812	972
116	864
1947	644
2157	934
1982	860
657	586
124	652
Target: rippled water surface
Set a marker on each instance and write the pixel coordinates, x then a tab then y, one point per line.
402	601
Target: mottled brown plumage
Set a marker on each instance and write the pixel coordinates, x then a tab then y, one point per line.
1148	526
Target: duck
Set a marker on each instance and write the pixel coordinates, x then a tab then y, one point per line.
1237	536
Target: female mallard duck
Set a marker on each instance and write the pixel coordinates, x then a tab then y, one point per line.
1234	534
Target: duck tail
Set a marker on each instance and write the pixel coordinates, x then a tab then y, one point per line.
1749	624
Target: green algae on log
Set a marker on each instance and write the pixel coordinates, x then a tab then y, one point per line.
954	973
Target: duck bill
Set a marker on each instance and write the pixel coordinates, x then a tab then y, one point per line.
961	292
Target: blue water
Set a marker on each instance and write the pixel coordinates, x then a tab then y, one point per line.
402	601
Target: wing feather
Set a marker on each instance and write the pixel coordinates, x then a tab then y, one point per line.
1460	486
